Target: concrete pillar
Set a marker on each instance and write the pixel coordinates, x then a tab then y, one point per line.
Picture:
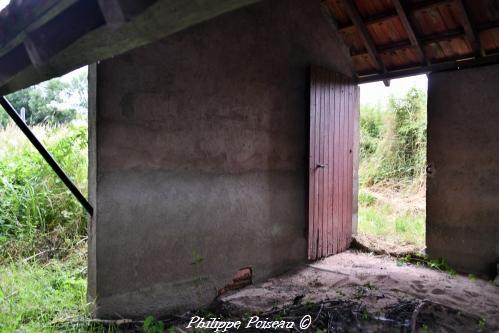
463	150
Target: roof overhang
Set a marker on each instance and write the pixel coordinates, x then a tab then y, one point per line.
42	39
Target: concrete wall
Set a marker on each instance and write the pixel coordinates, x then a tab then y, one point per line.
199	159
463	149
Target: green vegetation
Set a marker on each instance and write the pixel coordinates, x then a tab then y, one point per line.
45	296
42	227
391	223
392	170
38	212
42	232
422	260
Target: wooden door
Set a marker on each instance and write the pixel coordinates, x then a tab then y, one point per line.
334	106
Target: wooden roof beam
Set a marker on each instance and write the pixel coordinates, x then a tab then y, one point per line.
113	13
354	15
404	18
471	34
449	64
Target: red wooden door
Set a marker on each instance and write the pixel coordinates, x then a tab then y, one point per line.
334	105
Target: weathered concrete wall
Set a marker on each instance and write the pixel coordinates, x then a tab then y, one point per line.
463	149
200	157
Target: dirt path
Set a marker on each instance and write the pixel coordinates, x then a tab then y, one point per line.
378	282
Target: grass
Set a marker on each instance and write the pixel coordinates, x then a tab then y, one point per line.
46	296
385	219
39	296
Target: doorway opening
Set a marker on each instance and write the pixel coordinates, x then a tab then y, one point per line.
392	166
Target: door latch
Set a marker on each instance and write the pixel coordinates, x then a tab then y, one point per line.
322	166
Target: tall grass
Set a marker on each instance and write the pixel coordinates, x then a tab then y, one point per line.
38	213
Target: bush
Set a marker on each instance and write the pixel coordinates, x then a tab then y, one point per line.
371	125
38	211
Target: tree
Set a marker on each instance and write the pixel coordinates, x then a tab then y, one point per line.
53	102
78	87
43	103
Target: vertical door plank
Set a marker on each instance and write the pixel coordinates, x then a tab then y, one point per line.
311	178
336	215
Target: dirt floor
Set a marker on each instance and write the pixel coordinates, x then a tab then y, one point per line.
359	292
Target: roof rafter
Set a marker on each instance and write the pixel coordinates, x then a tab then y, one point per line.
471	34
354	15
113	12
402	13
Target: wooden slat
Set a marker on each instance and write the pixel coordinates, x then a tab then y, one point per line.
327	161
404	19
320	171
311	179
337	158
316	174
349	177
342	161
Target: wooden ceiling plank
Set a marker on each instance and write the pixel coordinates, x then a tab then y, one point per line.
404	19
471	33
354	15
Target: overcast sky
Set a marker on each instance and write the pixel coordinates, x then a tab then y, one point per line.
377	94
